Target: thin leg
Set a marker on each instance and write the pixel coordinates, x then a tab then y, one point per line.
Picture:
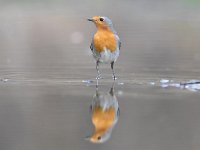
98	72
112	89
97	86
113	72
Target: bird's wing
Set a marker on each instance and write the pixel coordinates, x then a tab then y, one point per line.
92	46
95	54
118	41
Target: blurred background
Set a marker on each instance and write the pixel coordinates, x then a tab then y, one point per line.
158	37
45	55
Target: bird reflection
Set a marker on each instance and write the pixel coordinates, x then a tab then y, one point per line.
104	115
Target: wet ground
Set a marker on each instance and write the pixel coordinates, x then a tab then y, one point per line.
47	76
56	115
47	110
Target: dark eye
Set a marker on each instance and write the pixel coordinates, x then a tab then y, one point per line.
101	19
99	138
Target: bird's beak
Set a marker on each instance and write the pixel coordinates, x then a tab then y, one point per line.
89	19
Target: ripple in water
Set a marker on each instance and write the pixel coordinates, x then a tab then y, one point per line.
191	85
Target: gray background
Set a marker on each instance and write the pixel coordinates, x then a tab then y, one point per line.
44	56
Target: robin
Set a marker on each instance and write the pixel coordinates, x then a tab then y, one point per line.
104	115
105	44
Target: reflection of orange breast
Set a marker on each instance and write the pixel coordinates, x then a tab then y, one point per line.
103	119
104	39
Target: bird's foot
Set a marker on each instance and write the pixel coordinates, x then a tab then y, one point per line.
99	77
114	77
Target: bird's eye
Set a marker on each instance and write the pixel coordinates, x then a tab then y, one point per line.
101	19
99	138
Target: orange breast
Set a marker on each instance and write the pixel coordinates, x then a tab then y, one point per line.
104	39
103	119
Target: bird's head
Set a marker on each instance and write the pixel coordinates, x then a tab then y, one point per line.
100	136
101	22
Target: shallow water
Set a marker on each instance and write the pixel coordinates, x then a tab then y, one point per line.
56	115
47	75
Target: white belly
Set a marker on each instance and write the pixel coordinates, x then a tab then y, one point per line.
107	56
106	101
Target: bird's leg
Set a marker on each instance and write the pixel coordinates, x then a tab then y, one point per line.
97	87
98	72
113	72
112	89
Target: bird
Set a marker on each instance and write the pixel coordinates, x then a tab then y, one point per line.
104	115
106	44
